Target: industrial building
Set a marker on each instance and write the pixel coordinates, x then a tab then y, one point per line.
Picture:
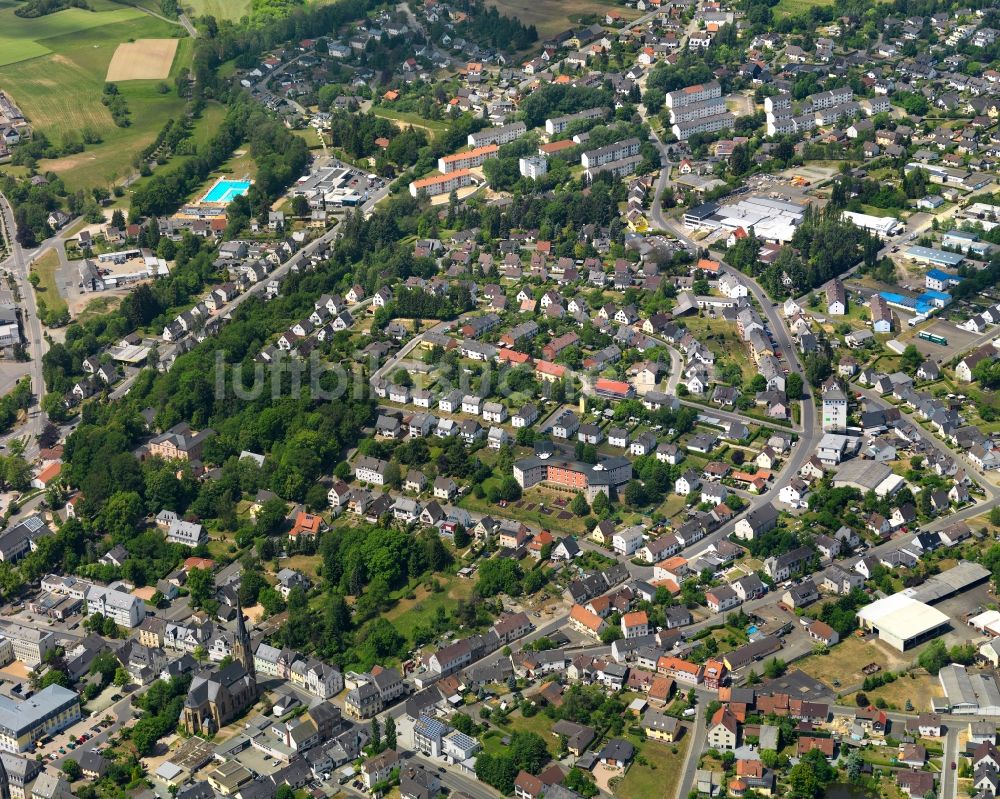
883	226
970	693
902	621
772	220
929	255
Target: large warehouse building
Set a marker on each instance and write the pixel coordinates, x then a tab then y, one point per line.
970	693
902	621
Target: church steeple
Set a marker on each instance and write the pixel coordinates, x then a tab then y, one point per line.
242	648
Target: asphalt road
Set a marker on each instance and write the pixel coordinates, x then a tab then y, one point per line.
36	345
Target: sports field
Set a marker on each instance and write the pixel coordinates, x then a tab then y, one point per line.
144	59
60	89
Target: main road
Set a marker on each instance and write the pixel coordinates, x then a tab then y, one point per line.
18	265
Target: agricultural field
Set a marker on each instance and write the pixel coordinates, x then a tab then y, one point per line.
144	59
552	16
58	77
22	39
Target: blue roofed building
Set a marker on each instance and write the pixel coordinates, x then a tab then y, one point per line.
939	280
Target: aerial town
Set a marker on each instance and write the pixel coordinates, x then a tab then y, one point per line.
478	400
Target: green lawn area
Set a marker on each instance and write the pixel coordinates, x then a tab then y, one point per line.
311	137
409	614
59	88
658	775
786	8
532	516
48	289
22	38
202	131
220	9
492	742
539	724
432	126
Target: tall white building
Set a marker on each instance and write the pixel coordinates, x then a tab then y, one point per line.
834	407
127	610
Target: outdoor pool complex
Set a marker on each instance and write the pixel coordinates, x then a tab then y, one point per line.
225	191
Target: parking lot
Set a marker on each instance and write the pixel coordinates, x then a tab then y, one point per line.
959	341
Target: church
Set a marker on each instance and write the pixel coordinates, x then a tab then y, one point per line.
219	695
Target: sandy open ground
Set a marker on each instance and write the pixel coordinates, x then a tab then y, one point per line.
143	59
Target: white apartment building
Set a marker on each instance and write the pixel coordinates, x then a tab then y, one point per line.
613	152
127	610
693	94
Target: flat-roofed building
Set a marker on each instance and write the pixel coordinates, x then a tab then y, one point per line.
901	621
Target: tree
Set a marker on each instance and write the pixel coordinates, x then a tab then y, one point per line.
911	359
122	677
376	734
809	777
579	505
462	538
934	657
390	732
528	751
71	769
496	770
200	585
855	764
774	668
793	386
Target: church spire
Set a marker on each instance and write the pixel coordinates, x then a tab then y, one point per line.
242	648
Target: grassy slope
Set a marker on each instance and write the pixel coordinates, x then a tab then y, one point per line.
552	16
26	38
61	92
794	7
204	128
220	9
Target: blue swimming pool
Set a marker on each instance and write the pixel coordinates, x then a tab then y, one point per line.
752	629
225	191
